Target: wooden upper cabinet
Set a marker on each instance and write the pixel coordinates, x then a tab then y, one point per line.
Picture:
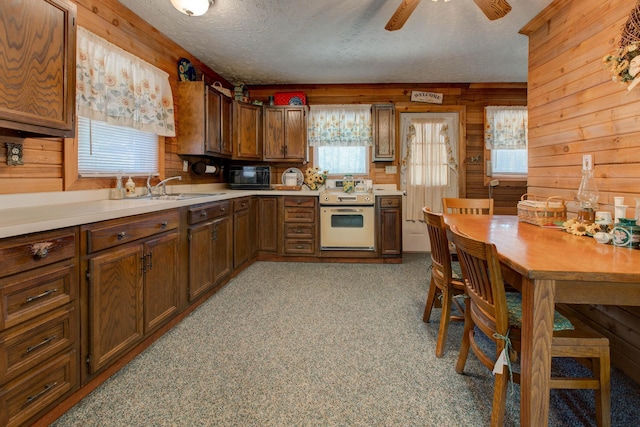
384	141
38	66
247	131
204	121
285	133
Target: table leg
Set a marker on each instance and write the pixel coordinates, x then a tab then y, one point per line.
537	330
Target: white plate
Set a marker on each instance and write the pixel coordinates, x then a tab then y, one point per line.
298	172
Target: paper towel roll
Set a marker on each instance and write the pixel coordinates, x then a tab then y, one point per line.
211	169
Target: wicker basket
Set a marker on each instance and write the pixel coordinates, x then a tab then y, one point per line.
547	212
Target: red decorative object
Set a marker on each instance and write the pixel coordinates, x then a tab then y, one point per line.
290	98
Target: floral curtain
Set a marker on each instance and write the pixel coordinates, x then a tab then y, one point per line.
340	125
118	88
428	160
506	128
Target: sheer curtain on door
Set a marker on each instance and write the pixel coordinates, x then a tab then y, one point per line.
429	156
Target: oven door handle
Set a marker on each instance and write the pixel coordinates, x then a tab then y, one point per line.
346	210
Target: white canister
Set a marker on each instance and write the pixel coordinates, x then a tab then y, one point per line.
290	179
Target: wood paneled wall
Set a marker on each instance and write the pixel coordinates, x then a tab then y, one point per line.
575	109
474	97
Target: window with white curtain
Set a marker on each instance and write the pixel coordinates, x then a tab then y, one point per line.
341	136
506	133
105	149
124	104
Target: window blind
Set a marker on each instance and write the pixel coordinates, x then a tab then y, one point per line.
105	149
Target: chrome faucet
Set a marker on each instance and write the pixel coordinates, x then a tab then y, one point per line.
151	189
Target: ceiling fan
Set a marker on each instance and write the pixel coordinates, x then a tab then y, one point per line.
494	9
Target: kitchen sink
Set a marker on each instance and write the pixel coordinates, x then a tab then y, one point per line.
176	196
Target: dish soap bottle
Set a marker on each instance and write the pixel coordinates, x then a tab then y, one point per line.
130	188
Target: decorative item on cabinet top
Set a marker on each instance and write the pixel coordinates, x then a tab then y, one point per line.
290	98
186	72
223	90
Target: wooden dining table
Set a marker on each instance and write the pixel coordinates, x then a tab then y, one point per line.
551	266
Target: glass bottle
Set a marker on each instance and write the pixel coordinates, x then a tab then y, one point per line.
588	197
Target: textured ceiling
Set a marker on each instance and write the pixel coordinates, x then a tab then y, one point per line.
344	41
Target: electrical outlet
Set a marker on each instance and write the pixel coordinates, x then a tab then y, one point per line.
390	169
185	166
587	162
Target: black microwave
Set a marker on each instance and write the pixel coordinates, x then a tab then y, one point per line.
250	177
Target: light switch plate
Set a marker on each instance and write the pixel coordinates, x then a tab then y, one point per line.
390	169
185	166
587	162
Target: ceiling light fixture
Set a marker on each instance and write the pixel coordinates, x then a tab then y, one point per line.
192	7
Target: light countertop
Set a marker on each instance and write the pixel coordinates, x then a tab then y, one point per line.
34	212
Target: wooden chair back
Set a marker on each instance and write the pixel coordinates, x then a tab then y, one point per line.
483	282
440	253
467	206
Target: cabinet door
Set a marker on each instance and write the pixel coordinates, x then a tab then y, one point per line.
191	124
268	224
390	231
38	66
115	305
274	133
241	236
221	260
226	129
200	260
212	121
295	133
247	131
383	133
160	280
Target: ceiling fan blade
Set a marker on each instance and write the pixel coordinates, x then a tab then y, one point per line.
494	9
401	15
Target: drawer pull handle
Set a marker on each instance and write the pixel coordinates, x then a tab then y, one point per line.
164	224
44	390
40	344
203	213
298	246
42	295
222	209
41	250
122	235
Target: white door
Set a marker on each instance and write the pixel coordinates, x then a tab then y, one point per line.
414	233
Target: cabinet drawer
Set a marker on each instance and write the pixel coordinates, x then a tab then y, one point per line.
389	202
241	204
27	295
299	231
206	212
35	250
295	246
299	215
113	233
24	397
31	343
303	202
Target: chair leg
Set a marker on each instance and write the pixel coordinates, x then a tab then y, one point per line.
601	369
466	339
431	298
445	317
499	399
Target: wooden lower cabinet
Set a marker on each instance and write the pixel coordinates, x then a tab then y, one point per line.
299	223
210	244
242	228
38	325
267	222
389	220
131	267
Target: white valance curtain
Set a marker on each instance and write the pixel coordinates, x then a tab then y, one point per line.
339	125
506	128
429	158
119	88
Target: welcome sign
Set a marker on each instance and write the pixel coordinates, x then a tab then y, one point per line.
430	97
